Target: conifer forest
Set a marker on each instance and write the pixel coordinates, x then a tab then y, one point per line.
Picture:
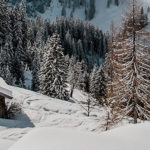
81	64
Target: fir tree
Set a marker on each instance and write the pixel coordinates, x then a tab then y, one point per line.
73	74
97	84
4	68
54	70
117	2
83	81
4	19
109	2
36	68
63	12
92	9
22	18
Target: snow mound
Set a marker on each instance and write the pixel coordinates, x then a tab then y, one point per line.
131	137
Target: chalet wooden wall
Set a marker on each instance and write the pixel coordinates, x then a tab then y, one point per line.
2	107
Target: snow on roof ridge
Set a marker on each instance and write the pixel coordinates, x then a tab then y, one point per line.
5	92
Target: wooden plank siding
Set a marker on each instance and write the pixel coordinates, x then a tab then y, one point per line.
2	107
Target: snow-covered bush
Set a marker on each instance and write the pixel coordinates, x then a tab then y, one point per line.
13	109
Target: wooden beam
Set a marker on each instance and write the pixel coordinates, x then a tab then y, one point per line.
7	96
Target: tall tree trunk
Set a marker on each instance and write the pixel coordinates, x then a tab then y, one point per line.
72	89
134	66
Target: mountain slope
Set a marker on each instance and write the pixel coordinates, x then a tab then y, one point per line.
104	15
99	13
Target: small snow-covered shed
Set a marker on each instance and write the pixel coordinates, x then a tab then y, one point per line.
4	93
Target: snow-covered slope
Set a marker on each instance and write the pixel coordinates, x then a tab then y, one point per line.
43	111
102	17
131	137
54	121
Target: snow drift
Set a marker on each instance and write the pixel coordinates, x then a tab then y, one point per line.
131	137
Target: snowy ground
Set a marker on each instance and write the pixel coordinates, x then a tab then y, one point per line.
43	111
131	137
45	118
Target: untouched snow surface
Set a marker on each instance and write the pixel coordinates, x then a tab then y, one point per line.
131	137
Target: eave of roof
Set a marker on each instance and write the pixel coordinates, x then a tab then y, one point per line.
5	93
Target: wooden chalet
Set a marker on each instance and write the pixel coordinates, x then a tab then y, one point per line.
4	93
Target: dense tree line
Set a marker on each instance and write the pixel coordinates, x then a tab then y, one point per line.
13	41
22	43
39	6
82	40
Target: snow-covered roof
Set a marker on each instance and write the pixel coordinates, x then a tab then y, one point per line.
6	93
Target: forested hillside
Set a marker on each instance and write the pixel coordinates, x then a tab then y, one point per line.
64	71
23	39
40	6
98	12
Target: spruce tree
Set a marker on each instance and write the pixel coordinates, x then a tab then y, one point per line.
54	70
117	2
36	68
22	18
92	9
83	81
92	81
109	2
4	19
4	67
63	12
97	84
73	74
